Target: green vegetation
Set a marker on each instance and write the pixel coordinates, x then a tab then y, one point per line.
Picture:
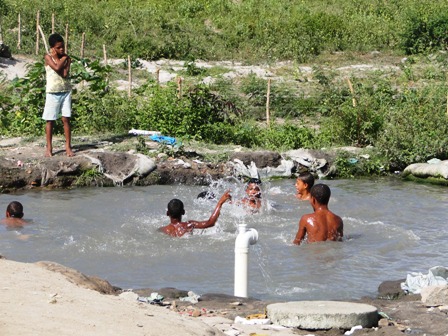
230	29
402	112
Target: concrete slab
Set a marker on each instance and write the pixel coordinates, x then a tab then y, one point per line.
322	314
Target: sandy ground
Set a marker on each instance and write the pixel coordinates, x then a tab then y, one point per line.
36	301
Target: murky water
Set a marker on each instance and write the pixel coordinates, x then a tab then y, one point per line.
391	228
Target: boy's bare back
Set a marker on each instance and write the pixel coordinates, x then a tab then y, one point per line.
323	224
320	226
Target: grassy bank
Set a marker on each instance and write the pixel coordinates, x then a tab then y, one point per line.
396	109
265	30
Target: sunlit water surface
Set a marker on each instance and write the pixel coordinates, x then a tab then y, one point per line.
391	228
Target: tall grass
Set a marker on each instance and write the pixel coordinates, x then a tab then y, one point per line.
249	30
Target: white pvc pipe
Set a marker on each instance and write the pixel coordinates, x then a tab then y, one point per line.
242	242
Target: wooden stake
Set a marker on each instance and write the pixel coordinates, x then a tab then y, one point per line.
19	33
43	38
358	117
83	41
104	55
268	96
158	76
179	87
130	76
52	23
37	31
352	91
66	38
1	31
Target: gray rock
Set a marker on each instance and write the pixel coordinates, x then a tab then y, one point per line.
390	290
433	296
261	159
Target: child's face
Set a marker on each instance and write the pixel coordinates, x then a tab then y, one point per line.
59	48
300	186
253	190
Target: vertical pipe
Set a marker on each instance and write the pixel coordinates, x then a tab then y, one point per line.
242	242
241	266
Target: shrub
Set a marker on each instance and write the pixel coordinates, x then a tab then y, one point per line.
416	129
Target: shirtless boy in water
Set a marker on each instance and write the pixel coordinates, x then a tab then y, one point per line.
14	215
322	224
176	210
304	183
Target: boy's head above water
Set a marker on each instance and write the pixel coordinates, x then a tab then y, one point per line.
175	208
14	210
253	188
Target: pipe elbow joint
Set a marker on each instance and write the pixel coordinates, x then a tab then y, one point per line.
243	240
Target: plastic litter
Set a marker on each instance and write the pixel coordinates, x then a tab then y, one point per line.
155	298
163	139
415	281
352	330
254	321
192	297
143	132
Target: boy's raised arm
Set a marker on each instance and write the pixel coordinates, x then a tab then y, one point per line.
214	217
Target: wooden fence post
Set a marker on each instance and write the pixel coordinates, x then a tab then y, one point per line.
104	55
158	76
352	91
19	33
66	38
43	38
83	41
1	31
268	98
179	87
358	117
130	76
37	31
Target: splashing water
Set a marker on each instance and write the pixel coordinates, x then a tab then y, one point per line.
391	228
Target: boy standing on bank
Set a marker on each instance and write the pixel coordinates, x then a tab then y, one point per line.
58	99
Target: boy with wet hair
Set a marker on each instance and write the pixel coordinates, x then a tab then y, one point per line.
14	214
58	98
253	194
303	185
176	210
323	224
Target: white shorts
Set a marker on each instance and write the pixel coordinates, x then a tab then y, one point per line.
57	104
